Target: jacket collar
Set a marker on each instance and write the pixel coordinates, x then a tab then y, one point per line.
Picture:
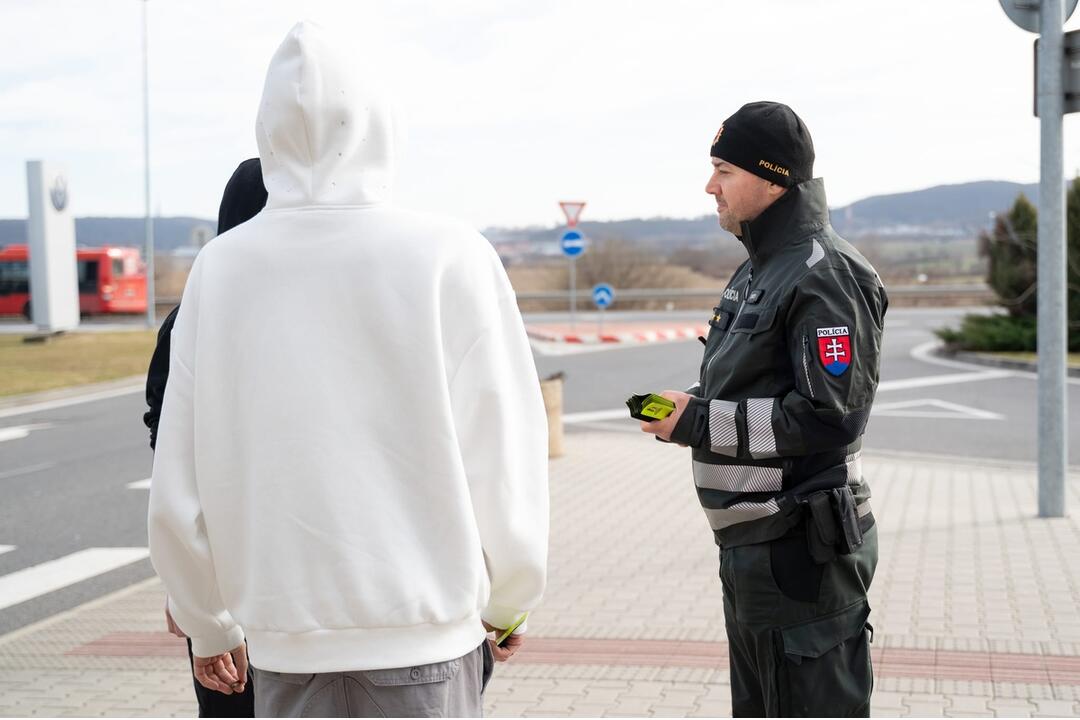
801	212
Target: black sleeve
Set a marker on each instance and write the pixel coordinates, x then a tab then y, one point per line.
157	375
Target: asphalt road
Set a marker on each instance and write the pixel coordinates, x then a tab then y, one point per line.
68	514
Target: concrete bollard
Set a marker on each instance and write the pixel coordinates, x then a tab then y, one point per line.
551	388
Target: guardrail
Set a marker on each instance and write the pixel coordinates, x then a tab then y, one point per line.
971	291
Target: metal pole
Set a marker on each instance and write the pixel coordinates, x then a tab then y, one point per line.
151	305
573	294
1052	264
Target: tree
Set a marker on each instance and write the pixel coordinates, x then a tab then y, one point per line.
1011	248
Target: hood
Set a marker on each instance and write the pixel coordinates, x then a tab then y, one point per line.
244	196
325	133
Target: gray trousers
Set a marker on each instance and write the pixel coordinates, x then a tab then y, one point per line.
444	689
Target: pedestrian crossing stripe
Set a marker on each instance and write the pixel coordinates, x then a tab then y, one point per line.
37	580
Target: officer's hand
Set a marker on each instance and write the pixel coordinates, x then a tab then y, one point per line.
663	428
509	647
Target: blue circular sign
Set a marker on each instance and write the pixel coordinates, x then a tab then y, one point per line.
572	243
603	295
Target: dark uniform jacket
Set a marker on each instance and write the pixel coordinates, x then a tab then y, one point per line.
788	375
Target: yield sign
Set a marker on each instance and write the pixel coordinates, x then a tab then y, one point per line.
934	409
572	210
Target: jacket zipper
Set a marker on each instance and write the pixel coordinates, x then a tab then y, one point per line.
806	364
731	327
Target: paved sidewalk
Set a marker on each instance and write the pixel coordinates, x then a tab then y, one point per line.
976	603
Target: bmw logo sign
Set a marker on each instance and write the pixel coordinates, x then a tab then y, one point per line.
59	193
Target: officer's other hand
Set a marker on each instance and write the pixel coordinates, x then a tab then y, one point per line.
509	647
171	625
225	673
663	428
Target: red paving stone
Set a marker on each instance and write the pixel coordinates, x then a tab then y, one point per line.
888	662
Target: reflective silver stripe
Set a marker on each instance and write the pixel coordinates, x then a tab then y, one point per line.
738	478
863	509
723	432
853	465
759	427
817	254
740	512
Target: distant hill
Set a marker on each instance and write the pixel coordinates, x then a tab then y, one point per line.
945	211
956	209
170	233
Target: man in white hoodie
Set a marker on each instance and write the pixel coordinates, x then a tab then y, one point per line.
351	466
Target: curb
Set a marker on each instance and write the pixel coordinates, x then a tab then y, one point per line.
988	360
646	336
75	391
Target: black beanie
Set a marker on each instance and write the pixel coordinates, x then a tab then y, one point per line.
769	140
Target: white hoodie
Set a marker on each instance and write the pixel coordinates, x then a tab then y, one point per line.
351	465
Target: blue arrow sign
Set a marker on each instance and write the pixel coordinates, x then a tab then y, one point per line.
603	295
572	243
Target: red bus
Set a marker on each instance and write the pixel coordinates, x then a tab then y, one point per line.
111	280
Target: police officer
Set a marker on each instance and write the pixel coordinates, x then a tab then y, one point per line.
775	425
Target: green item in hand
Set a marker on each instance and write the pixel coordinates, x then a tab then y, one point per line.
511	629
649	407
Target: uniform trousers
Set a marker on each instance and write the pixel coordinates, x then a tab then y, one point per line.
798	636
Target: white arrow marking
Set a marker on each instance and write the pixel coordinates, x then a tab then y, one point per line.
32	582
6	549
18	432
139	485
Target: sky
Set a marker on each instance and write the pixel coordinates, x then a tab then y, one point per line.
509	106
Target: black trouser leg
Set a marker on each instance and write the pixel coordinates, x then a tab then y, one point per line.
218	705
798	636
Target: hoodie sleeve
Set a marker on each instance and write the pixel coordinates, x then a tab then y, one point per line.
502	433
179	545
833	332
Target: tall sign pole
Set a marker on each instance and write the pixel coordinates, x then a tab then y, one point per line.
1047	17
1052	265
573	244
151	305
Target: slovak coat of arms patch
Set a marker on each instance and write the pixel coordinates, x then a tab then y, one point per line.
834	349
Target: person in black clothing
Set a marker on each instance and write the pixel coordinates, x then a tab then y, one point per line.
244	197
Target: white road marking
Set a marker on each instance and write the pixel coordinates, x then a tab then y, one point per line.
925	353
139	485
950	379
18	432
26	470
945	410
65	402
6	549
586	417
32	582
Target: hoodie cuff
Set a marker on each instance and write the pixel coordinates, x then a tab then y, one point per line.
209	646
503	618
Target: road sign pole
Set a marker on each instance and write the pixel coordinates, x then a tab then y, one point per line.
573	294
1052	265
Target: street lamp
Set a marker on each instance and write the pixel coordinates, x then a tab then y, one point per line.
151	305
